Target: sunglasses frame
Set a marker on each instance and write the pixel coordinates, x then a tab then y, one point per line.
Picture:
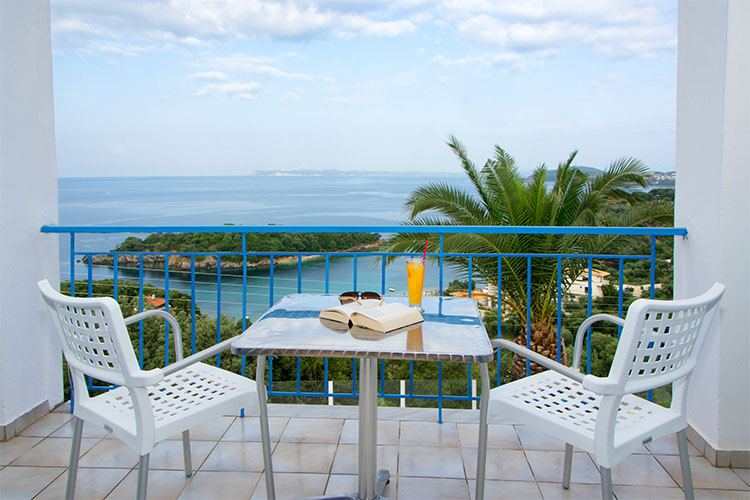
348	297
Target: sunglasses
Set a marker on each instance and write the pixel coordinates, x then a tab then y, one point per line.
348	297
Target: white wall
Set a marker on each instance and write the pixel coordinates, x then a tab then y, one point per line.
712	193
30	369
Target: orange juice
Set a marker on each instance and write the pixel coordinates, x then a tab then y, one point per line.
415	280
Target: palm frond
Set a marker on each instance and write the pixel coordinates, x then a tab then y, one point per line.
448	201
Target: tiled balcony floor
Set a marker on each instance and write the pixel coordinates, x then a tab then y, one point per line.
315	454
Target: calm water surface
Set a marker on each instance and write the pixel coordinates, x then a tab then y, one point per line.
248	200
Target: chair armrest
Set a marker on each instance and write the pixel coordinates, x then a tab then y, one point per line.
147	378
539	359
601	385
582	329
198	356
169	319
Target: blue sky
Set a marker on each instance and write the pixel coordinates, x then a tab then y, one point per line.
227	87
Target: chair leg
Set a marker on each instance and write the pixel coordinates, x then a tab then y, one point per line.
265	434
142	476
484	401
567	466
606	483
75	451
186	453
687	475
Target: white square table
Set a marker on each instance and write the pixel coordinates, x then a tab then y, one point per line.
452	331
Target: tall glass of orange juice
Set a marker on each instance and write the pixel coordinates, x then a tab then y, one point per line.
415	281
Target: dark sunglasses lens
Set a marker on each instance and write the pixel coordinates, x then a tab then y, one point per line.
347	297
370	296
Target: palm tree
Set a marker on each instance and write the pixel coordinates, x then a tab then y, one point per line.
502	197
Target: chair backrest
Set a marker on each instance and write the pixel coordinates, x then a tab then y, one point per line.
93	337
662	339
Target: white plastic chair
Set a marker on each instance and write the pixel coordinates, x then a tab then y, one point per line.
148	406
659	344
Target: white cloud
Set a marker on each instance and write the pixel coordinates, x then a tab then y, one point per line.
291	97
638	28
202	22
611	27
352	100
260	66
507	59
210	75
240	90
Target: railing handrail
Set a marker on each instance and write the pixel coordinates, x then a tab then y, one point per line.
588	230
441	254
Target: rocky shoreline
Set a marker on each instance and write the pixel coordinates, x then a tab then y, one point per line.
209	262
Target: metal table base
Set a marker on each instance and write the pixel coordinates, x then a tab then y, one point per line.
371	480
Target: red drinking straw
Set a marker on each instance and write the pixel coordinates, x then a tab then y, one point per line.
424	256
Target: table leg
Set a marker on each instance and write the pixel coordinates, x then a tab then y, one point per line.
371	481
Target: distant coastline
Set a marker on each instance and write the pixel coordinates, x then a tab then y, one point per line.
655	179
334	172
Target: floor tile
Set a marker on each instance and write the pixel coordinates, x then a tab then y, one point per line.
232	468
52	452
706	494
211	484
91	484
504	490
162	485
169	455
293	486
625	492
420	488
498	436
110	453
668	446
424	461
235	456
547	466
506	465
388	431
744	474
577	491
429	434
346	461
339	484
641	470
312	430
342	411
532	439
90	430
408	414
14	448
209	431
46	425
704	474
25	482
315	458
248	429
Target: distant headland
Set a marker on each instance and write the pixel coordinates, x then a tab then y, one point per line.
334	172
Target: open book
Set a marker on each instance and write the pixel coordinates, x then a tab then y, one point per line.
373	316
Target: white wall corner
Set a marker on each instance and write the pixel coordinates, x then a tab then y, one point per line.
30	368
713	182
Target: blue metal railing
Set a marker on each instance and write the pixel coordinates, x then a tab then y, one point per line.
170	282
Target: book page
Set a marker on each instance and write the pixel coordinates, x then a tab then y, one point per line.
342	312
387	317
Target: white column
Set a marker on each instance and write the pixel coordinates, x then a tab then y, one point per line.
712	193
30	367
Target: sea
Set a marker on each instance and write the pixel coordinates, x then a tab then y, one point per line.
366	199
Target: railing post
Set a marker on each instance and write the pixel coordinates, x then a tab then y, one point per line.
222	291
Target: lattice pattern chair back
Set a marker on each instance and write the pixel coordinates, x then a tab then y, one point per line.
661	340
94	338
